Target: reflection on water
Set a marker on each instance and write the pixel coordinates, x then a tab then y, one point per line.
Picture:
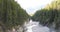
36	27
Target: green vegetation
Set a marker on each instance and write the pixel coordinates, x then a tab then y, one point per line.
45	16
49	16
11	14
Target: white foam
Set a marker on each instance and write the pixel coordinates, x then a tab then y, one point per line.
35	27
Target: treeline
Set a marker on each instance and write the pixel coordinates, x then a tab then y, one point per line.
47	17
11	14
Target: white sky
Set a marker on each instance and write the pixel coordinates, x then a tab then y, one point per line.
31	6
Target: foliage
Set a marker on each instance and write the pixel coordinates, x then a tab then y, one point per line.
47	17
11	14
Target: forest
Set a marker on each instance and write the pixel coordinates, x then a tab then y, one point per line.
13	15
49	15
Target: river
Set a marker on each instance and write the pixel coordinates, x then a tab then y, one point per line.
33	26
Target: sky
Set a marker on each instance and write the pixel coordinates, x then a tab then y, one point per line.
31	6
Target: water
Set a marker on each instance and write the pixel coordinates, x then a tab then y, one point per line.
36	27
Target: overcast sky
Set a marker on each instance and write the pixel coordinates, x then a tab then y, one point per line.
31	6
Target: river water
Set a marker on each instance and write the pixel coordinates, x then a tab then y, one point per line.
34	26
